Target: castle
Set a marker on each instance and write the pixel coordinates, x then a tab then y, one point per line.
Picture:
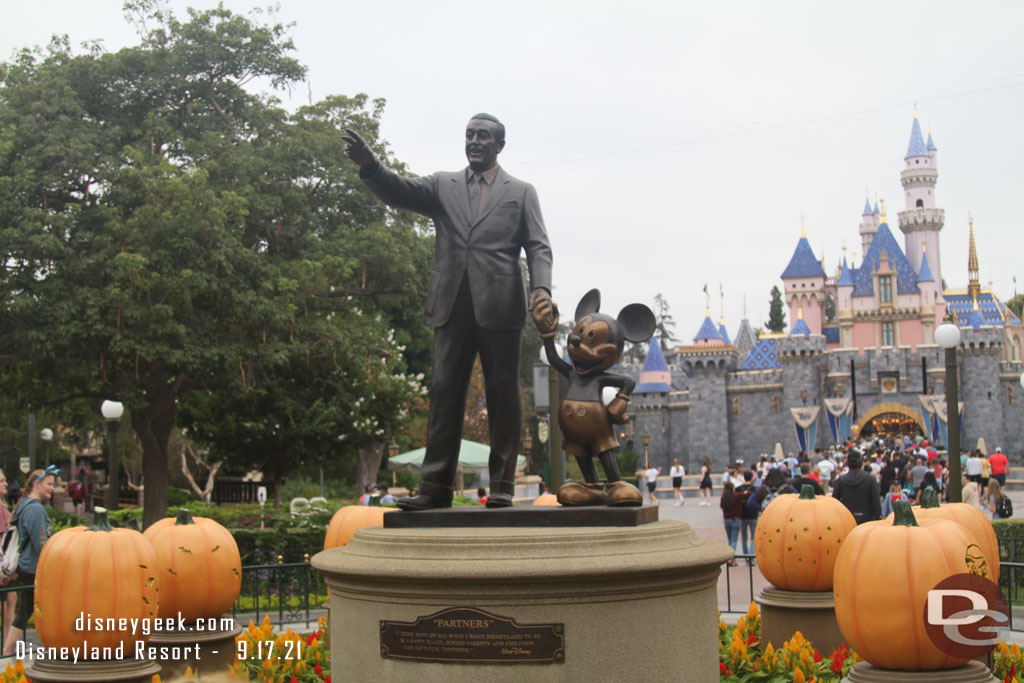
860	357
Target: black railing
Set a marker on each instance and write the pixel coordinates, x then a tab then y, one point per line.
744	563
289	593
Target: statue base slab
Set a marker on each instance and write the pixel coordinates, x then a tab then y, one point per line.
550	603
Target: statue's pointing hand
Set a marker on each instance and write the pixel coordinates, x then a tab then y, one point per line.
357	150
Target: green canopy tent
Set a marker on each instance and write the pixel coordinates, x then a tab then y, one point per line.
473	457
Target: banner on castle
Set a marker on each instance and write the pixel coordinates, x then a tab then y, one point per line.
929	403
806	421
943	417
840	418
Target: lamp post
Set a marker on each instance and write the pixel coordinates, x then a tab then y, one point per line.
112	412
646	439
46	436
947	336
393	452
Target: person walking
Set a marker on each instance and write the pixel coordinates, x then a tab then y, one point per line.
969	492
10	599
732	510
858	491
34	529
994	499
998	464
750	514
677	473
652	475
705	483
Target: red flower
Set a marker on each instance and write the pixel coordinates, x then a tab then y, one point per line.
294	679
751	639
817	657
319	670
722	670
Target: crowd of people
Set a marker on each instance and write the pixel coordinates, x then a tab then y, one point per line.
867	477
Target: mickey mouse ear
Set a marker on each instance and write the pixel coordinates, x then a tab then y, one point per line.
590	303
638	322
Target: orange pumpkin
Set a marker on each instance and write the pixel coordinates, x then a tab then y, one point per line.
972	519
797	540
882	578
546	499
200	566
349	519
95	573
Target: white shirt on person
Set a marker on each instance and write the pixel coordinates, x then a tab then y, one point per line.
677	471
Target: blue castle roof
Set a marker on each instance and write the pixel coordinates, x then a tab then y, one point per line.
655	371
804	263
800	328
926	272
867	207
846	277
831	335
707	330
975	320
655	358
724	332
916	147
992	310
762	356
876	207
931	143
906	276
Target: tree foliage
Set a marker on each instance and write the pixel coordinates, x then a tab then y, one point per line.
665	323
179	242
776	312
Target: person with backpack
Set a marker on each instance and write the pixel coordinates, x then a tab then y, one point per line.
997	502
858	491
748	518
34	528
775	484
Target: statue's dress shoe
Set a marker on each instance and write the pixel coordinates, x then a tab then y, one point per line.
573	494
499	500
622	493
423	502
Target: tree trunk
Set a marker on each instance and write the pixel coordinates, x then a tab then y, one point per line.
153	424
368	464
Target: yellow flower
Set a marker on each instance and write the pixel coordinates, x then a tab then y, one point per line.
798	676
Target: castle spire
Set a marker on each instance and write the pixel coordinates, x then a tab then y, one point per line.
974	284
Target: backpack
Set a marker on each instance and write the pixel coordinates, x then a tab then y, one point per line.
769	497
10	552
1005	507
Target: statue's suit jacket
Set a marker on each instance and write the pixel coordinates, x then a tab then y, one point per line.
486	249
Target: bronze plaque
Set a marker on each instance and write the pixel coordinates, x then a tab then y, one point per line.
472	636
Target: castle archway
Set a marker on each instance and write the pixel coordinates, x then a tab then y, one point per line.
890	420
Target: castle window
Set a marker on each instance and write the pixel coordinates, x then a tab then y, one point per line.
885	289
920	203
888	334
775	403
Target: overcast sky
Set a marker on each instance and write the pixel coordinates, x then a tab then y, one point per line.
673	143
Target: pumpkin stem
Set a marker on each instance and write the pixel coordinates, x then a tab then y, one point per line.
100	520
184	517
806	492
902	514
929	498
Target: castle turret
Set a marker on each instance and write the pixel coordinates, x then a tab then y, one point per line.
803	284
921	221
655	377
868	225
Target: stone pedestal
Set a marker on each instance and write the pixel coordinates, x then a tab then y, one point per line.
114	671
972	672
610	593
785	612
206	652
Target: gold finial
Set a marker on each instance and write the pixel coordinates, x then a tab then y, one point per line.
973	286
803	230
924	247
882	202
915	110
800	309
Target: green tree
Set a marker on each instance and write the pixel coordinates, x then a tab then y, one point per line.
665	323
830	308
1016	304
169	234
776	312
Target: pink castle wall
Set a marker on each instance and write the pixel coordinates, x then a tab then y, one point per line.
864	335
911	333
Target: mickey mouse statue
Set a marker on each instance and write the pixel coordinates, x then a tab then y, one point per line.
595	345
